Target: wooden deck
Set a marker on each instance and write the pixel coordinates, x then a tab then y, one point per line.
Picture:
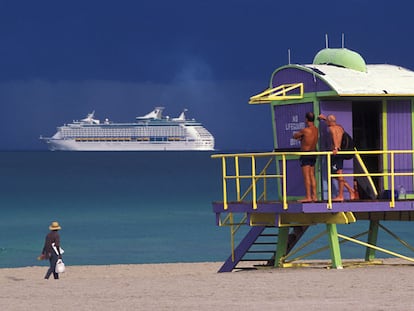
315	207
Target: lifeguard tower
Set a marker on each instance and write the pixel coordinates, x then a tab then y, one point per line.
375	104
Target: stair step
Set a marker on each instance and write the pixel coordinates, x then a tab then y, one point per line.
261	244
245	268
258	252
256	259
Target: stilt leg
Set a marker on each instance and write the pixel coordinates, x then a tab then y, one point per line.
282	243
334	246
372	239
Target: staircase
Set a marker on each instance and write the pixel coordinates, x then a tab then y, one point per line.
259	246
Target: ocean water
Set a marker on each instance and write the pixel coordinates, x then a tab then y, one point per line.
114	207
127	208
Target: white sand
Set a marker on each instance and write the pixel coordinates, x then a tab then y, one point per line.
198	286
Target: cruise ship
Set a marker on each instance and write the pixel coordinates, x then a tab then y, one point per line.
151	132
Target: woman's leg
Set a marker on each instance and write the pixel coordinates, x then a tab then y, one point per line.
52	267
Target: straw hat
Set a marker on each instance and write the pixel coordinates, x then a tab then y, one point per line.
54	226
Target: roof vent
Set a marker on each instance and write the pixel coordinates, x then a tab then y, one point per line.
340	57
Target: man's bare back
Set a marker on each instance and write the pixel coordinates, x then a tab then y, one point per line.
336	132
308	138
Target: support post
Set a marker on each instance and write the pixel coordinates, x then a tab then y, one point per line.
282	243
372	239
334	246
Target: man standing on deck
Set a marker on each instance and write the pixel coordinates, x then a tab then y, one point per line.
336	132
308	139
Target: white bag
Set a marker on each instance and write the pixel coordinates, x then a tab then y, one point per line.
55	249
60	266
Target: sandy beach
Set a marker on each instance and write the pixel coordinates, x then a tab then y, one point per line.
198	286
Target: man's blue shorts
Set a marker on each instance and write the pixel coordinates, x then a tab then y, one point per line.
337	163
305	160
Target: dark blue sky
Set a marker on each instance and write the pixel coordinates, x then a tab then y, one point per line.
61	60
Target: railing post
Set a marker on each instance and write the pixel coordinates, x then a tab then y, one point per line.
223	163
236	163
284	179
392	203
328	161
254	195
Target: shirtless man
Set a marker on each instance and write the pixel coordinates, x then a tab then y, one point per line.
336	132
308	139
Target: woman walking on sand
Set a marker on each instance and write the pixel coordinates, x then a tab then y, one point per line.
51	249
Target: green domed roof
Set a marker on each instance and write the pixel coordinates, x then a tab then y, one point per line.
341	57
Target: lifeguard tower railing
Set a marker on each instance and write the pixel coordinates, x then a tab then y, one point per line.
262	177
257	192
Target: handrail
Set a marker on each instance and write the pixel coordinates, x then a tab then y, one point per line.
365	169
281	177
262	173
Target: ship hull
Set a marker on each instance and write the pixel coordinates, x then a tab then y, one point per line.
151	132
72	145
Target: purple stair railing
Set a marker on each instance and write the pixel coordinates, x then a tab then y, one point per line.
242	248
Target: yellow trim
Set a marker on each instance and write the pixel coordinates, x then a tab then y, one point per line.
254	192
278	93
385	139
300	219
224	174
365	170
375	247
316	218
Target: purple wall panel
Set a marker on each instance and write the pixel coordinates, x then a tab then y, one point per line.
294	75
399	137
294	180
290	119
342	110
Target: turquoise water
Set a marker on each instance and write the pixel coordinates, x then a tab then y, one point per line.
126	207
114	207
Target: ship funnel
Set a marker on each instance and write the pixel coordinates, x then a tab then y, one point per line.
181	117
155	114
89	118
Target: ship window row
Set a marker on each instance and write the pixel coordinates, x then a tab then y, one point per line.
129	139
202	131
90	132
